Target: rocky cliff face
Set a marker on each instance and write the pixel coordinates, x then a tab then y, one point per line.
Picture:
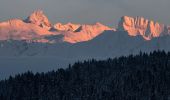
39	18
141	26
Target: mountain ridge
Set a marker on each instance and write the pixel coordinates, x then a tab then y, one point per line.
28	46
37	26
140	26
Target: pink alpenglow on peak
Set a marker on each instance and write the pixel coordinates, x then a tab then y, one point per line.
66	27
17	29
39	18
80	33
38	28
141	26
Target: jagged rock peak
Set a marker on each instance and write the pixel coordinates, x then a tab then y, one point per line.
141	26
40	19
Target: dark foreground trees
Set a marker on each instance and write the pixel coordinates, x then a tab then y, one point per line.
140	77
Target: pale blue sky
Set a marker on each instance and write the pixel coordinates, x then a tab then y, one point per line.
87	11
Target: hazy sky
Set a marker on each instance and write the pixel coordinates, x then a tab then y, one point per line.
87	11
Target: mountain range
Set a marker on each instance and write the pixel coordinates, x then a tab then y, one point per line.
42	46
37	27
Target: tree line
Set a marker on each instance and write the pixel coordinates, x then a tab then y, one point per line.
134	77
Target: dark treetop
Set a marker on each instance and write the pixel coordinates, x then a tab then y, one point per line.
140	77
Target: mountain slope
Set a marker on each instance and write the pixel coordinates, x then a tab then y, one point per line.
35	44
107	44
20	56
82	33
66	27
144	27
83	41
38	27
39	18
17	29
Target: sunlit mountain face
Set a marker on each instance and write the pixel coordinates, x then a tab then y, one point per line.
37	27
144	27
84	50
34	43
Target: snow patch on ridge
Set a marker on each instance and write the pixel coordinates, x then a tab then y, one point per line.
78	33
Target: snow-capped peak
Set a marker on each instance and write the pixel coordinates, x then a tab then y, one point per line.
141	26
83	32
39	18
67	27
37	25
12	22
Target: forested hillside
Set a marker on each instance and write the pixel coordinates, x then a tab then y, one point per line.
140	77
